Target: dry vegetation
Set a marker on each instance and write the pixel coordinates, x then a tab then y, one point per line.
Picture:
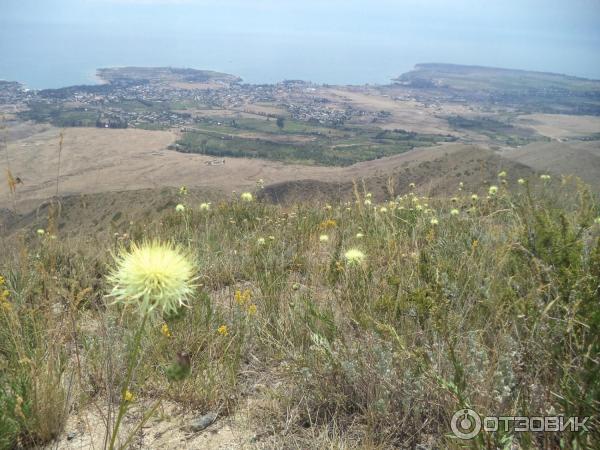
489	302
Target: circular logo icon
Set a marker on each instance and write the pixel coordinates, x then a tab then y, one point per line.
465	424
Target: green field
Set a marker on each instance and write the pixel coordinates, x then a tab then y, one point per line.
301	143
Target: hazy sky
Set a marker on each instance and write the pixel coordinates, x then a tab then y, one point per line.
269	39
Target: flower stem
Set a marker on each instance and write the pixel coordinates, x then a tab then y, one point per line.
132	361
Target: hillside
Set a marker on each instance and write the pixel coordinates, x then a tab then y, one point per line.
359	324
527	90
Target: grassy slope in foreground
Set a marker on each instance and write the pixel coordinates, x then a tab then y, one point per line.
490	303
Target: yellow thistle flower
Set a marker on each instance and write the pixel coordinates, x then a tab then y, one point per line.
222	330
246	196
252	309
323	238
354	257
128	396
165	330
152	276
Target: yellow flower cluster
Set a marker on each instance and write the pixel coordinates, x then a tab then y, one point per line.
4	303
223	330
244	298
165	330
326	224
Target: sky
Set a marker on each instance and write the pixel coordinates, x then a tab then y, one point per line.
50	42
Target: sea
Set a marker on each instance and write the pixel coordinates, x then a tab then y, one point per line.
54	44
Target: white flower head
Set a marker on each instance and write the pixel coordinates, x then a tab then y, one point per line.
152	276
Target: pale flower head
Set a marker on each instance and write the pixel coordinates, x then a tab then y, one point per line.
521	181
246	197
152	276
354	256
545	177
180	208
493	190
359	235
434	221
204	206
323	238
502	174
40	232
454	212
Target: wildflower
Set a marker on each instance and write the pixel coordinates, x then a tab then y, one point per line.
454	212
383	210
327	207
183	190
434	221
597	220
204	206
128	396
247	197
260	183
461	184
260	241
454	199
271	238
354	256
545	177
493	190
151	276
369	195
419	208
180	208
252	309
323	238
40	232
296	286
411	185
165	330
242	297
329	223
222	330
502	174
367	202
359	235
474	197
521	181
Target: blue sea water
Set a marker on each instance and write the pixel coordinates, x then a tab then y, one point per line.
57	43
